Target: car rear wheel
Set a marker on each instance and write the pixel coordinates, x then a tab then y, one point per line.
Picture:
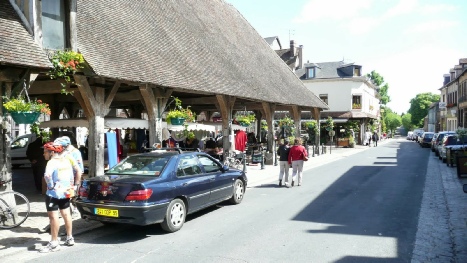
175	216
238	192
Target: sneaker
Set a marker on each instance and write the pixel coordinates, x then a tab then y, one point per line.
70	241
51	247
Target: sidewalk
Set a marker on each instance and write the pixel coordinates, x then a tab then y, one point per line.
29	235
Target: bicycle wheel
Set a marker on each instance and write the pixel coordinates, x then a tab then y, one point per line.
14	209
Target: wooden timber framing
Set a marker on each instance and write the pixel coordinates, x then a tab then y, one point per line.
315	114
296	115
226	104
155	100
96	105
269	109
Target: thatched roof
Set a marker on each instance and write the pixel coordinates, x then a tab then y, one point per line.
193	45
17	46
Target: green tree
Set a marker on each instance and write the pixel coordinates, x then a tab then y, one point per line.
383	87
407	122
419	107
393	121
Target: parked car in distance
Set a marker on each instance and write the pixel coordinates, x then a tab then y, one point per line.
18	149
162	186
425	139
439	140
416	134
448	141
433	141
409	135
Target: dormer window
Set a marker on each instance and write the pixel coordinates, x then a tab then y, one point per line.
357	71
310	72
54	24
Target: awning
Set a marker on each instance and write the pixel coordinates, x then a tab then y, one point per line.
123	123
109	123
335	121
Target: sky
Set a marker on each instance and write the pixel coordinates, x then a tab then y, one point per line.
411	43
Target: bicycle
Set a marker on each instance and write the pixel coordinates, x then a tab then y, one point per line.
233	160
14	208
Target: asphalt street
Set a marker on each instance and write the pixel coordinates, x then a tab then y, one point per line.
392	203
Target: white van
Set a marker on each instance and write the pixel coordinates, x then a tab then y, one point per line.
18	149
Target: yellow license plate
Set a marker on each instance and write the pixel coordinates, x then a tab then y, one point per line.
106	212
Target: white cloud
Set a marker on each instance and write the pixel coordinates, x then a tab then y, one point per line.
363	25
402	8
430	26
436	9
331	10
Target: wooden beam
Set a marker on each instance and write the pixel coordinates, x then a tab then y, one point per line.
225	108
111	96
88	97
39	87
296	115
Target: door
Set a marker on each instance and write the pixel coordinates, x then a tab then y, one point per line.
222	183
192	182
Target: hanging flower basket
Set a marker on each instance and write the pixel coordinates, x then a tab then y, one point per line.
244	124
25	117
177	121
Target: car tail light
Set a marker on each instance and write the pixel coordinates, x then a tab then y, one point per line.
139	195
83	192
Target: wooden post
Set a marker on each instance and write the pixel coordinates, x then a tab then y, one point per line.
155	101
295	112
315	113
269	109
226	104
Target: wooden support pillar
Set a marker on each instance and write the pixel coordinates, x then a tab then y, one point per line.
226	104
155	101
296	115
92	106
5	167
259	117
269	109
315	114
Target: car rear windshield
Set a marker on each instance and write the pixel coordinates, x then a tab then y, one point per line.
429	135
140	165
453	140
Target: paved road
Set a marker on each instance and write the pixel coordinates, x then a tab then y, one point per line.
364	206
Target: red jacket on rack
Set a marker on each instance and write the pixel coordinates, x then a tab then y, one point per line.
296	153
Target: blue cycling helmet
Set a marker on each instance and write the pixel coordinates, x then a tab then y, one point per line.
64	141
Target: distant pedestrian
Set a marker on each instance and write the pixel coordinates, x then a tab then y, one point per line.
296	156
283	153
375	138
35	155
59	179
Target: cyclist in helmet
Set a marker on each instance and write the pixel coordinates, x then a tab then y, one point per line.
60	182
70	150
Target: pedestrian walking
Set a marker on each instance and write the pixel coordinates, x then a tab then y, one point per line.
35	155
74	153
297	155
59	179
375	138
283	153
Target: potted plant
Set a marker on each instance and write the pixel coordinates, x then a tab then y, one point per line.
286	128
24	111
65	64
351	142
179	115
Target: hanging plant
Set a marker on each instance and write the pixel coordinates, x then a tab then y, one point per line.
245	120
179	115
25	111
65	64
312	127
329	124
286	128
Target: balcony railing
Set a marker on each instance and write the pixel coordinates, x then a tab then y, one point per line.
356	106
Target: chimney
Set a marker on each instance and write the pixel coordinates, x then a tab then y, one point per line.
447	79
293	52
300	56
453	74
463	62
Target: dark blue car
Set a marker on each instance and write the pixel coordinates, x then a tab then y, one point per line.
161	186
